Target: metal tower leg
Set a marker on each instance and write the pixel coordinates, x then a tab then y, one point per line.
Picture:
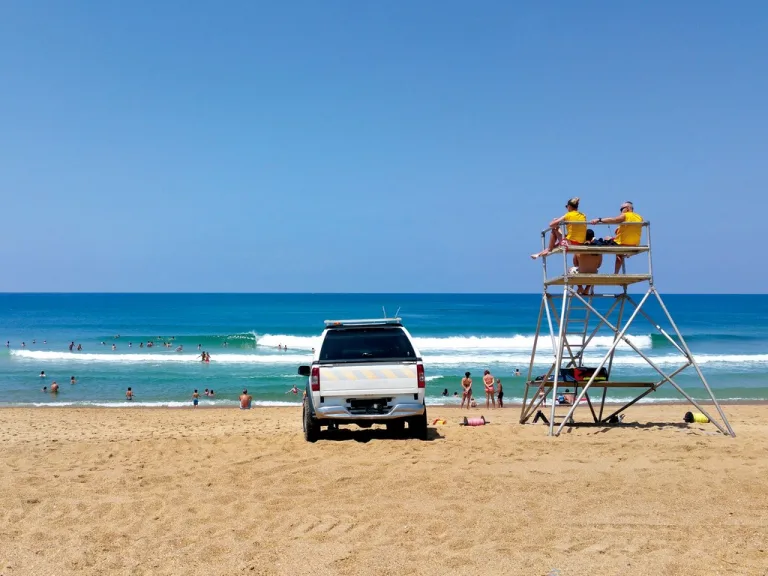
693	361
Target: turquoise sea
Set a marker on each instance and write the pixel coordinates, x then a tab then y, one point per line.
455	333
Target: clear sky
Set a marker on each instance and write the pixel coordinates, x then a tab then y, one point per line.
374	146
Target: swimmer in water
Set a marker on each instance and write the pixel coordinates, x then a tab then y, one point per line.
79	347
293	390
54	387
195	398
42	373
72	380
129	394
114	347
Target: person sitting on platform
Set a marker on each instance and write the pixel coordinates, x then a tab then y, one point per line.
587	264
565	399
627	235
575	232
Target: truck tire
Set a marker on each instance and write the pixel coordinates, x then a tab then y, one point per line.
311	427
417	426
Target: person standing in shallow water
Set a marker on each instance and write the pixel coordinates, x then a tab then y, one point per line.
195	398
129	394
466	395
490	395
500	392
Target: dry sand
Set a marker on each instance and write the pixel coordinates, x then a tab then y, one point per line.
222	491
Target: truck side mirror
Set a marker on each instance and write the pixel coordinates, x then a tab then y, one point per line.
304	370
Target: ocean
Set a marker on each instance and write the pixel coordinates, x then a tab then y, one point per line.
455	333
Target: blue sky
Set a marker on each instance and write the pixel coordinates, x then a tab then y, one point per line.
374	146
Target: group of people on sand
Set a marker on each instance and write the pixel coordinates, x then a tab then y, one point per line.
628	233
493	391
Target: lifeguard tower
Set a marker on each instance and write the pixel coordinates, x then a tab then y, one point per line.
577	315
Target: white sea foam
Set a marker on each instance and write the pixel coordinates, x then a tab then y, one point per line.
518	342
433	359
292	342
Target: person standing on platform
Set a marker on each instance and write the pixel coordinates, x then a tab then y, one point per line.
627	235
575	232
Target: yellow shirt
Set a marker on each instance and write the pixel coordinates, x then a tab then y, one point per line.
576	232
629	235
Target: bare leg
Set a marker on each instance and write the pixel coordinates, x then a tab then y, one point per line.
554	238
619	262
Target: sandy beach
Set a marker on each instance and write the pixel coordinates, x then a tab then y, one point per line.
222	491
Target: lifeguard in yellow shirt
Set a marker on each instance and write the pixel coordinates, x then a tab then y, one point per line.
628	234
575	230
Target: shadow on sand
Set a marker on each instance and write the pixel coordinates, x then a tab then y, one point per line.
366	435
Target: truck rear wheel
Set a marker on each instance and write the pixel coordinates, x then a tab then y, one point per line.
417	426
311	427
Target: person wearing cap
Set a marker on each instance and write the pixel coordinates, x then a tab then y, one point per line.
627	235
575	230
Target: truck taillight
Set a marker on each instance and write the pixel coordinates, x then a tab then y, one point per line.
420	375
314	379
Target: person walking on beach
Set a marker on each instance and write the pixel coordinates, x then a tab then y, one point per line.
575	233
245	400
466	395
500	392
129	394
195	398
490	396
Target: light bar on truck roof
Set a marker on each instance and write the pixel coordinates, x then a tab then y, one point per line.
364	322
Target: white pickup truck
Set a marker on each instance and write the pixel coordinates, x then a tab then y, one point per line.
365	372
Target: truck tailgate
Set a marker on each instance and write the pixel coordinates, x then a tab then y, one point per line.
368	379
